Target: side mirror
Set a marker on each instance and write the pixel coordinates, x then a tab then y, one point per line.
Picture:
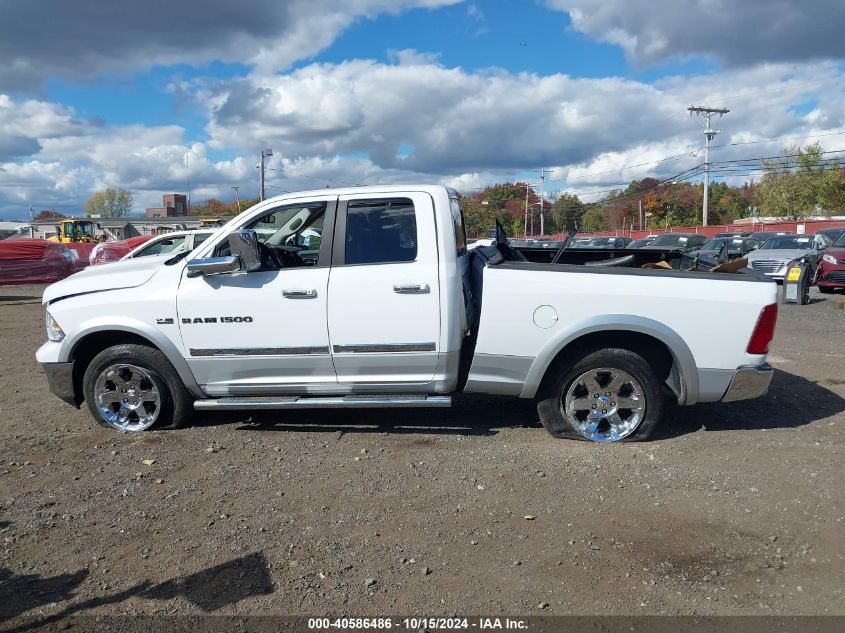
214	266
245	246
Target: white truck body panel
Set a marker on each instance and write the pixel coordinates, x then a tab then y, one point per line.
710	332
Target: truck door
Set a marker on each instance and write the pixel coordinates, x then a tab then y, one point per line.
265	331
384	293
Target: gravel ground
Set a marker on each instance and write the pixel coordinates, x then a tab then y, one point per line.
732	508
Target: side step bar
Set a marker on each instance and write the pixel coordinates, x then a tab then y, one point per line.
247	403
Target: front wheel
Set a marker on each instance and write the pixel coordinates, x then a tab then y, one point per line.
134	387
609	395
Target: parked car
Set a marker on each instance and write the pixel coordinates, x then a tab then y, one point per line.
476	242
604	242
34	261
643	241
733	234
169	242
115	250
727	248
684	242
832	234
775	254
832	267
381	316
762	236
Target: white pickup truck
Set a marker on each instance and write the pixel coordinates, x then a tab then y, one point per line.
368	297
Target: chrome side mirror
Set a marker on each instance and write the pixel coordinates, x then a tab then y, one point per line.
214	266
244	245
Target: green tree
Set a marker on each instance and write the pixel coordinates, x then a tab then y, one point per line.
594	220
566	212
110	203
801	183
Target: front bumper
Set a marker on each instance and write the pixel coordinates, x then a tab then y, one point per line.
831	275
60	380
749	382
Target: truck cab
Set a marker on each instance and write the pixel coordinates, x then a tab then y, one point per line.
73	231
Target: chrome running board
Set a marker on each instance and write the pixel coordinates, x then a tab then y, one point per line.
361	401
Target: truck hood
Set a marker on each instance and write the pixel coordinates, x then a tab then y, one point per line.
123	274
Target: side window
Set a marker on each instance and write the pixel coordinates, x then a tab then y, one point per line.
458	223
163	246
380	231
199	238
290	235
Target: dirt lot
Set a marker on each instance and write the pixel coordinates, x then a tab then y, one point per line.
732	509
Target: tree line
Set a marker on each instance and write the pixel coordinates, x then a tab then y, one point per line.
800	183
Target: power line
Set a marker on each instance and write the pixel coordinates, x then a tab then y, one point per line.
783	138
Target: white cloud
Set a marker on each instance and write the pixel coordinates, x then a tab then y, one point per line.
736	33
426	118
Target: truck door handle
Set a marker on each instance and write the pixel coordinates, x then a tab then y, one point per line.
299	293
411	289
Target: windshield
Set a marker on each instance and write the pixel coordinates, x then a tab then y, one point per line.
789	242
840	241
669	240
715	244
602	241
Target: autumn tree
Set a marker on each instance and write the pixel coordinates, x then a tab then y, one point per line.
49	214
504	203
110	203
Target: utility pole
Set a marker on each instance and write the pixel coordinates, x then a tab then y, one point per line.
707	114
525	227
188	169
264	154
542	171
542	200
237	197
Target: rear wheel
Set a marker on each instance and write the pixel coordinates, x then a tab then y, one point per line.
133	388
609	395
825	290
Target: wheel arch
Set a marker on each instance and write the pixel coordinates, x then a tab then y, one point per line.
651	339
93	339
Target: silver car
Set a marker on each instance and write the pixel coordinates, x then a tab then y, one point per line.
775	254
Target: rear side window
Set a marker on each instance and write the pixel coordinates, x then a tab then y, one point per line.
458	223
380	231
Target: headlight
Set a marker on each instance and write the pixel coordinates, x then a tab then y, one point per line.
54	331
830	259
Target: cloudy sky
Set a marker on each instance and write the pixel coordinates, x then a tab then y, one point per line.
145	95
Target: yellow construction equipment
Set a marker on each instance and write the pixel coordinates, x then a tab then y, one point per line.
73	231
207	222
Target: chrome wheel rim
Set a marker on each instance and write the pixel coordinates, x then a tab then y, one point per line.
127	397
604	404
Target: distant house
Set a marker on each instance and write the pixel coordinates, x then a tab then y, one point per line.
172	205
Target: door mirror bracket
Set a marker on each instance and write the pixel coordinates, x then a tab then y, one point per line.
214	266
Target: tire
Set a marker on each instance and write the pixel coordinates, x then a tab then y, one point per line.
805	293
825	290
619	372
118	374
